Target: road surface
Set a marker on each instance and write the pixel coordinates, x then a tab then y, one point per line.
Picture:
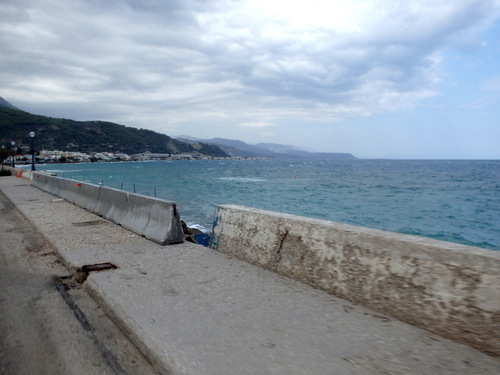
48	324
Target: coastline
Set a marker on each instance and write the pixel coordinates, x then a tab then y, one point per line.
447	201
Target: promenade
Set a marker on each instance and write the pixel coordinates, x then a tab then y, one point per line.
193	310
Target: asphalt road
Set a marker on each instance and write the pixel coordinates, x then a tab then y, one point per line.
48	324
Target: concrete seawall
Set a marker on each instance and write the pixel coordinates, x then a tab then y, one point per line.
446	288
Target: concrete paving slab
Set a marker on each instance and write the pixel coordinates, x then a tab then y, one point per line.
193	310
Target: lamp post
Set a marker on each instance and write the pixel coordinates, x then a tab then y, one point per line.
13	154
32	135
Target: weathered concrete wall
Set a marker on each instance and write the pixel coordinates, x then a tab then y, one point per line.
450	289
155	219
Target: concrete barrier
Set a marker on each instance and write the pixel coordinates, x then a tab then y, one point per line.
447	288
25	174
156	219
112	204
20	172
82	194
45	182
70	190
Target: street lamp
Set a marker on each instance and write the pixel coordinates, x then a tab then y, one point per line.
32	135
13	154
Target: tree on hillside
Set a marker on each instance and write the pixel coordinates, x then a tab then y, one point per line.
4	154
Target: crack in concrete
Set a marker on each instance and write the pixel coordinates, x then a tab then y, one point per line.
280	248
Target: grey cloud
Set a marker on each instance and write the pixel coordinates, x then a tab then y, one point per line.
395	57
173	56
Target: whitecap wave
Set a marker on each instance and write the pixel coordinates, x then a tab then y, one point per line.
197	226
240	179
64	170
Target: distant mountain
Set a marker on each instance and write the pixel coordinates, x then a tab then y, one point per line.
99	136
234	148
5	104
268	150
90	136
278	148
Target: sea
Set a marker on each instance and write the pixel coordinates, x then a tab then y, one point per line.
455	200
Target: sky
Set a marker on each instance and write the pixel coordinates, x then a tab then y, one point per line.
397	79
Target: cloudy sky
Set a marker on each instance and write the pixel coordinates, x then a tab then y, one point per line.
376	78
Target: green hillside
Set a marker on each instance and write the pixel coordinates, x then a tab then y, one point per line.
89	136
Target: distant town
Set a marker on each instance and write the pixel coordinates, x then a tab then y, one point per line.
47	156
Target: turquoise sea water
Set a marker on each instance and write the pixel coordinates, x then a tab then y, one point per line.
456	201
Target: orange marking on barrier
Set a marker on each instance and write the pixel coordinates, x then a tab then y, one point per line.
19	174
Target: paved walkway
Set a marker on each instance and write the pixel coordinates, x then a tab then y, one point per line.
43	330
193	310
